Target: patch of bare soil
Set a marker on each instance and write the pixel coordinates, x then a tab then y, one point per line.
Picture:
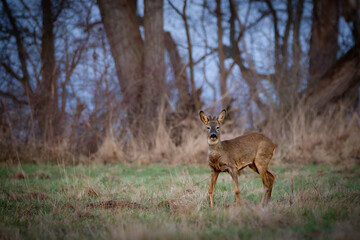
37	175
68	205
32	195
85	214
20	175
38	195
91	192
168	203
40	175
179	204
117	204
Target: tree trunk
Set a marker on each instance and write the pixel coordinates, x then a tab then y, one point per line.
154	58
350	12
223	85
195	94
324	39
296	68
341	78
185	101
47	98
122	30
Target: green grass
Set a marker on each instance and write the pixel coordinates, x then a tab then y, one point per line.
50	202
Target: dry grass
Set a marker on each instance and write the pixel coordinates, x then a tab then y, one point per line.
331	138
193	148
302	137
116	204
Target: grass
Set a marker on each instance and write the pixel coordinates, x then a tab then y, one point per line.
70	202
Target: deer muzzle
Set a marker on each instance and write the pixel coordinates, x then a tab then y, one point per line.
213	136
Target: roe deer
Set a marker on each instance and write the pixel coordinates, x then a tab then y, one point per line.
252	149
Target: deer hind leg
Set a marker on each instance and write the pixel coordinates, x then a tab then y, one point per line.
271	179
214	176
263	178
266	186
261	162
268	181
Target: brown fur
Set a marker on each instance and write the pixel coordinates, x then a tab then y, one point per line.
252	150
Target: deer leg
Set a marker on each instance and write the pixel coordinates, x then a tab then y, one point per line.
262	159
214	176
266	183
265	189
271	179
236	185
268	193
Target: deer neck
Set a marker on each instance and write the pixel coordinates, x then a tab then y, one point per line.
214	153
214	146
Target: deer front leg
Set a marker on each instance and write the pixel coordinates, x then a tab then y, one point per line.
214	176
236	185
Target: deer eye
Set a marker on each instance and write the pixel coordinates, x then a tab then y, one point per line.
217	128
208	128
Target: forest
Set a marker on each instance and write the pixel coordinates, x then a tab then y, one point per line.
100	100
123	81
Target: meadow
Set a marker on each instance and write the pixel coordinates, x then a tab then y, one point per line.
130	201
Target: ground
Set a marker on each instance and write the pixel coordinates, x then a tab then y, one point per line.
149	202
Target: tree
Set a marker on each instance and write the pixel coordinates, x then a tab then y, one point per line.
140	63
324	39
122	30
46	101
330	78
226	103
195	93
154	57
43	99
35	69
340	79
185	101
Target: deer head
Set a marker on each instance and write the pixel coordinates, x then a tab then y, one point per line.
213	125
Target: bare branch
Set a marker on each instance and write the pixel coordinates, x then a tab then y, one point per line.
296	47
284	47
188	38
250	75
176	10
205	56
276	30
251	25
94	24
11	72
30	13
19	43
58	12
12	97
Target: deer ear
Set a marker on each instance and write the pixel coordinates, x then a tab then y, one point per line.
221	117
203	118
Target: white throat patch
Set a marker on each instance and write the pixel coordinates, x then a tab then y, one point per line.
213	143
